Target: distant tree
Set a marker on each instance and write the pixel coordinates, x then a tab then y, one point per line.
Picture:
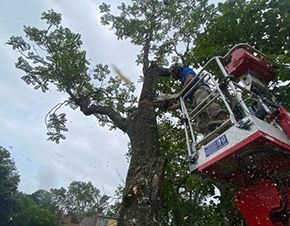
115	204
17	208
44	199
30	213
9	179
79	200
58	198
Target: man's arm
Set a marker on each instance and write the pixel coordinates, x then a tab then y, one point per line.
189	78
176	105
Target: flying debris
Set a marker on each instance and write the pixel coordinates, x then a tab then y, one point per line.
120	74
60	155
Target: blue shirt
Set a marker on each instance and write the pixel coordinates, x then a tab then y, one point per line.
186	71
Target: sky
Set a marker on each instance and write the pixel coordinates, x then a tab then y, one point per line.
90	152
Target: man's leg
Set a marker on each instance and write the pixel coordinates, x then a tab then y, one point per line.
202	119
213	109
212	112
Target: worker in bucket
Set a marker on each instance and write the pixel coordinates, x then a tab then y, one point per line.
211	117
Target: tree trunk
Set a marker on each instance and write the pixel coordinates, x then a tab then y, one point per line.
142	200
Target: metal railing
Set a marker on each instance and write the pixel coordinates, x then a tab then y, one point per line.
216	95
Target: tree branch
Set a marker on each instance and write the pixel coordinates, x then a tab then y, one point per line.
91	109
179	54
53	111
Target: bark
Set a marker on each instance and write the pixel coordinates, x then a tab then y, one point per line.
142	199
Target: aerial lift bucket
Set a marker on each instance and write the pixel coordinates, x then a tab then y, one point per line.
251	152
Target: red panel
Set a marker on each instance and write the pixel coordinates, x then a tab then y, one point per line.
243	62
245	162
247	165
256	202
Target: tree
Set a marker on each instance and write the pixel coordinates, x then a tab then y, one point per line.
44	200
30	213
8	187
79	200
53	56
17	208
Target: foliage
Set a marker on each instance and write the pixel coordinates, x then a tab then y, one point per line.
17	208
8	173
161	30
45	208
79	200
53	56
55	125
30	213
8	186
44	199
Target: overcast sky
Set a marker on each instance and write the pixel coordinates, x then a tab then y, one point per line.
90	152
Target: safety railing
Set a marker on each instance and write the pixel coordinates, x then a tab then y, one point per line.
190	115
240	96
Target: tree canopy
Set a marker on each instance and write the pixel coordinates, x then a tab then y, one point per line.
8	186
79	200
53	56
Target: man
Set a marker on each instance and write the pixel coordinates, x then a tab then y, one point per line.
210	118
